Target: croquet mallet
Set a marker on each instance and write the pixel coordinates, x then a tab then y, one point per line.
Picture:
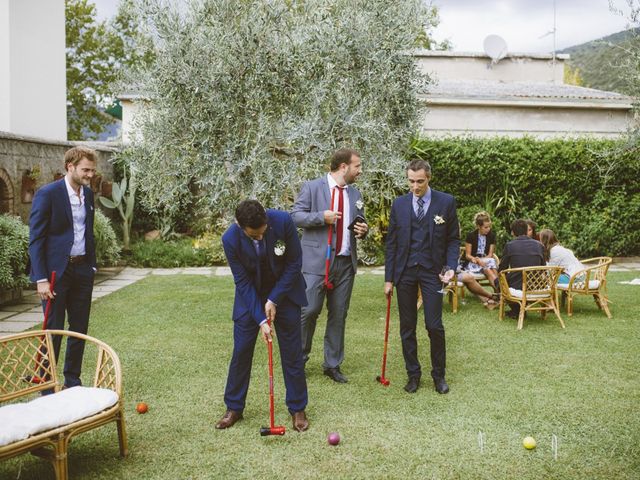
47	309
381	378
272	429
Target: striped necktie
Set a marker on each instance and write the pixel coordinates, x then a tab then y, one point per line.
420	208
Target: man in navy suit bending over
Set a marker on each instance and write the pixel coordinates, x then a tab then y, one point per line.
265	257
61	240
423	245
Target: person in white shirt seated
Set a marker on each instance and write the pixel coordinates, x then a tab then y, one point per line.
557	255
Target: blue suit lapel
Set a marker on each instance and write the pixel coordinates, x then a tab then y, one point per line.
269	243
64	198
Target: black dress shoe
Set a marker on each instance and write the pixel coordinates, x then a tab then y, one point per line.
412	385
335	374
441	386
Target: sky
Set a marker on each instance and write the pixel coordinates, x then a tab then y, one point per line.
520	22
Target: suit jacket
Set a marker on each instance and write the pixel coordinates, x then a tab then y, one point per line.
244	263
308	213
522	251
51	230
445	237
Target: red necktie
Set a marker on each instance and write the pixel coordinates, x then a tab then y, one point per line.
340	221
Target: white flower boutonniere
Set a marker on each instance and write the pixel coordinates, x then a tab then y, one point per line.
279	248
359	204
438	220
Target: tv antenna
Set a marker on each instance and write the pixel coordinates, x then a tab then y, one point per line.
552	32
496	47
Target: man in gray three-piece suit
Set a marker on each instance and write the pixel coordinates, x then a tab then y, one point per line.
313	211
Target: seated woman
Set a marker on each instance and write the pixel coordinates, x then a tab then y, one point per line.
557	255
478	258
531	229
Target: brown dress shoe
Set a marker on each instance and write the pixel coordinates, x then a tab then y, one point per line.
300	422
229	418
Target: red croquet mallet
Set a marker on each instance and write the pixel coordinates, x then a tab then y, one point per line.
47	309
327	284
381	378
272	429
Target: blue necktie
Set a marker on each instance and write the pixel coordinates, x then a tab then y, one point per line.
420	208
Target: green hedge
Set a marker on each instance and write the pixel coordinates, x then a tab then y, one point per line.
168	254
586	190
14	254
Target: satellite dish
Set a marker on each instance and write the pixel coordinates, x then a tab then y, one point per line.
495	47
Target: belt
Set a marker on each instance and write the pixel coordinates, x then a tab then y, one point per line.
344	256
77	258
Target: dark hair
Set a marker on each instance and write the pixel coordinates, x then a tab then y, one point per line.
533	226
548	240
418	164
519	227
74	155
344	155
249	213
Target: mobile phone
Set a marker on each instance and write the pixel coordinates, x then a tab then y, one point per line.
358	219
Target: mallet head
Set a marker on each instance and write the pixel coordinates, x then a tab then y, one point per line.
266	431
383	381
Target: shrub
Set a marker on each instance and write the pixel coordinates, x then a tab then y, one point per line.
14	252
211	244
168	254
107	248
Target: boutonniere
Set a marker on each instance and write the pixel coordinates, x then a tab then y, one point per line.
359	204
438	220
279	248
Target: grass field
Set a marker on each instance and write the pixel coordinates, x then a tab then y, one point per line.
174	338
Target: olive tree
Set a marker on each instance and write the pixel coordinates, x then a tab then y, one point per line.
249	99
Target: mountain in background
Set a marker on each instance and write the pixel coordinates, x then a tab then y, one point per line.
599	62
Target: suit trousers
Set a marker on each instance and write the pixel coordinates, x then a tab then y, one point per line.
73	300
407	291
245	333
342	276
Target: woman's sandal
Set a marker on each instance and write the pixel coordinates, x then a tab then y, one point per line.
490	304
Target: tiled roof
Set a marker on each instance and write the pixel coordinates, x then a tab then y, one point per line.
493	90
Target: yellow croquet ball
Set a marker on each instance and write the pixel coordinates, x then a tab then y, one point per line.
529	443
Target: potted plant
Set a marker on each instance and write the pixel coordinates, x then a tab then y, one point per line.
96	181
107	188
57	176
29	181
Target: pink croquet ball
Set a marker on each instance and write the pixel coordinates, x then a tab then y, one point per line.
333	438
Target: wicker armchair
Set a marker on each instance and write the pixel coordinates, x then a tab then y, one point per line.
538	291
452	290
590	281
27	367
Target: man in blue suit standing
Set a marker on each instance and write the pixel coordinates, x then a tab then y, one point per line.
422	249
61	240
264	254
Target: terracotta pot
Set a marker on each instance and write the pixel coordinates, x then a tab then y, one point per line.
107	188
96	180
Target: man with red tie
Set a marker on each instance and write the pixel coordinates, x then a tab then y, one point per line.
330	200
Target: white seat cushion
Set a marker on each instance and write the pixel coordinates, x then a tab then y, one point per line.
20	420
518	294
593	285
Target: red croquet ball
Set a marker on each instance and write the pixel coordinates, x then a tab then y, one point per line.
333	438
142	408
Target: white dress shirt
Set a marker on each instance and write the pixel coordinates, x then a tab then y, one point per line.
346	214
79	214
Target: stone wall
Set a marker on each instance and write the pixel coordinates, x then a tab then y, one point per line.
27	163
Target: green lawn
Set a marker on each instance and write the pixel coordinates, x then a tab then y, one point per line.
174	338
